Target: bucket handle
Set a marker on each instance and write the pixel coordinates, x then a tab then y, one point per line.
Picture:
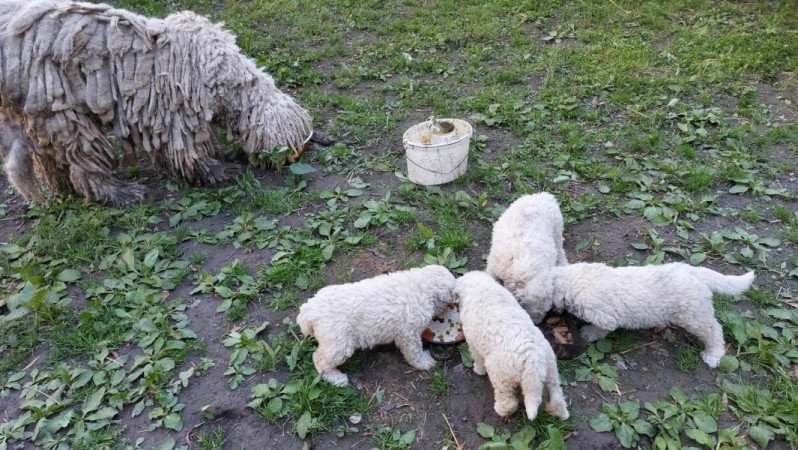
435	171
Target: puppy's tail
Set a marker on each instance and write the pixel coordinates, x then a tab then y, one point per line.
305	323
723	284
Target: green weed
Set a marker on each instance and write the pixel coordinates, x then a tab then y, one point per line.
687	358
388	438
309	402
439	383
212	439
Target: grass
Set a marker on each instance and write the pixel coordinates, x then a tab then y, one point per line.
81	335
686	358
279	200
197	258
699	179
306	396
544	424
17	341
392	438
751	215
762	298
75	235
783	213
439	382
212	439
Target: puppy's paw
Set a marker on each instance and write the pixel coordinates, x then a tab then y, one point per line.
337	378
479	369
592	333
425	361
558	409
711	359
506	408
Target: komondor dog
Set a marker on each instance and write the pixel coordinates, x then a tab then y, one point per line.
17	155
640	297
509	347
527	240
74	72
391	308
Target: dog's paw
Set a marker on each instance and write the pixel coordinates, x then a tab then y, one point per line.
558	409
425	362
129	195
592	333
337	378
711	359
507	408
479	369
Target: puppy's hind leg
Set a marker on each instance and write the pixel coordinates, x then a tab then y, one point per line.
327	359
703	324
505	403
555	405
412	349
479	362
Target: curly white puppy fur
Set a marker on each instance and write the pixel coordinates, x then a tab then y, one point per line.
509	347
388	308
527	240
640	297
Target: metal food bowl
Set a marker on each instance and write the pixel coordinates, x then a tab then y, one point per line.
553	325
445	330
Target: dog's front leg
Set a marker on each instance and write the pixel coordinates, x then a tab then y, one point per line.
593	333
600	322
77	146
327	359
479	362
414	353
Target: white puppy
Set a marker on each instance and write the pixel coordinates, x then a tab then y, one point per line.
640	297
388	308
505	343
527	240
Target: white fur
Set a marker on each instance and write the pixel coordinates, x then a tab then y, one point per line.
640	297
527	240
395	307
506	344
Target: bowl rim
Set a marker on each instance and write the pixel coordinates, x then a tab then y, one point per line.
469	132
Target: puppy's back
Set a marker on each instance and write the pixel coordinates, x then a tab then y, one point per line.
525	238
382	298
491	314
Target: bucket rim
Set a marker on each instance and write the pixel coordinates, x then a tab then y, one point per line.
469	132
